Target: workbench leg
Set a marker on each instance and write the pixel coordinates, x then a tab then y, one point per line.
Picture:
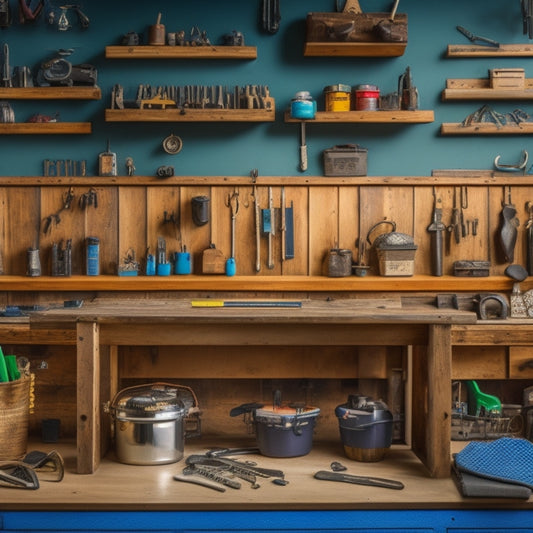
88	396
438	423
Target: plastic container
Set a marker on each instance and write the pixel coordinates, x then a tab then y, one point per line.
285	431
303	106
337	97
366	97
93	256
365	428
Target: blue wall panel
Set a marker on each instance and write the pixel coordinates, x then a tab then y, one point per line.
272	148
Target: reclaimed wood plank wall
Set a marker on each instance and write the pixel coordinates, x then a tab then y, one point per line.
325	217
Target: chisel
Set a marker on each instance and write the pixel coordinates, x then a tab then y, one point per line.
359	480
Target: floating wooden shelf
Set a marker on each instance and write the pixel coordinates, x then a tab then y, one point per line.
181	52
50	93
504	50
45	128
255	283
487	128
190	115
369	49
480	89
399	117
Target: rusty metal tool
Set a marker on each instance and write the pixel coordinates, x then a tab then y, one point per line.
478	38
269	227
359	480
6	69
455	224
437	228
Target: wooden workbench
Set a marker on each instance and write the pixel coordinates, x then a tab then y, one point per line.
109	322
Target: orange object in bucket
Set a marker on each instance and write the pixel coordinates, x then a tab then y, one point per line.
337	97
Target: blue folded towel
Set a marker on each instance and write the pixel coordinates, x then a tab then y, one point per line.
505	459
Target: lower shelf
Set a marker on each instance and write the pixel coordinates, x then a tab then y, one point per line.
119	486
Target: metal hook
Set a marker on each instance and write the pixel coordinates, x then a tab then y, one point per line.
232	201
512	168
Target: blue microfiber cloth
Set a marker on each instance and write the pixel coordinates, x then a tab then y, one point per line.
506	459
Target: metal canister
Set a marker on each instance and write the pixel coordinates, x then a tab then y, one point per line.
366	97
337	97
93	256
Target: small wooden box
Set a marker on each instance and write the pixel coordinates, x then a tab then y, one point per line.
507	78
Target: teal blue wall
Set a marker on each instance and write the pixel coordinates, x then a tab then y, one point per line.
272	148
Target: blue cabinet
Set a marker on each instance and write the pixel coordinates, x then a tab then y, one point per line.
357	521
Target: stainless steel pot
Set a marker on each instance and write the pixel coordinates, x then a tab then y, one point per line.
149	423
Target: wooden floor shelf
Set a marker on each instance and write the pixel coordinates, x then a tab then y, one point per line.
369	117
256	283
181	52
45	128
190	115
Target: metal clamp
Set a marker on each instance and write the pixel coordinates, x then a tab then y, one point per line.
491	306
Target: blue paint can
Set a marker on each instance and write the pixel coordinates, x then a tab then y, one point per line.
93	256
303	106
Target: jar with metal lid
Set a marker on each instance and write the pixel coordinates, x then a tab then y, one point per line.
303	106
337	97
149	423
366	97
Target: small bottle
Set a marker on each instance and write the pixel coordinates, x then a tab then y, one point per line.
93	256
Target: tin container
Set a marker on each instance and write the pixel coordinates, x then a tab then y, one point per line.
303	106
337	97
93	256
366	97
345	160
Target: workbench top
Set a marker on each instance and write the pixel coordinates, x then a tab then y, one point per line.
116	486
339	311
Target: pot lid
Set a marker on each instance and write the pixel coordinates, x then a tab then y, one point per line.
148	401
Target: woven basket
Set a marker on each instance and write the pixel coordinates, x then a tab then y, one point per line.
14	417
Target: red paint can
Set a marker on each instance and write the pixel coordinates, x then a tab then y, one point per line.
366	97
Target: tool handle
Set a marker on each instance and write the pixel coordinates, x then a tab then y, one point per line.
303	158
359	480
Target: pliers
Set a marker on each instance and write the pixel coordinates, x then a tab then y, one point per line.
477	38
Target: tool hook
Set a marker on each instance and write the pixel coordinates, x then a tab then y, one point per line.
512	168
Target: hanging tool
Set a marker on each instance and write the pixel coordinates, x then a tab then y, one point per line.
527	17
6	69
477	38
5	14
507	230
436	228
455	224
464	205
529	238
303	147
283	227
271	15
269	227
257	222
232	202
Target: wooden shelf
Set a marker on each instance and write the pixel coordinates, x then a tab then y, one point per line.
45	128
256	283
504	50
480	89
50	93
366	49
486	128
376	117
181	52
190	115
